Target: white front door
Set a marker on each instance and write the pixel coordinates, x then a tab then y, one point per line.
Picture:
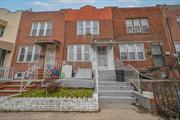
50	55
102	57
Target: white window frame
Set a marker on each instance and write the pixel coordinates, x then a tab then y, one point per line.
177	44
140	23
178	21
84	26
38	28
26	53
75	53
136	51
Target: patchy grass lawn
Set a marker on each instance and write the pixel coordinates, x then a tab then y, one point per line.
61	92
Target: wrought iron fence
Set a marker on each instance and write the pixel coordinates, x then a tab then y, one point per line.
167	97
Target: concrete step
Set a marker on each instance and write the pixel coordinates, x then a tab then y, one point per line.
10	92
113	93
16	87
117	88
107	79
110	99
113	83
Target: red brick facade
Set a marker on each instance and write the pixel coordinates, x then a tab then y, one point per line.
112	27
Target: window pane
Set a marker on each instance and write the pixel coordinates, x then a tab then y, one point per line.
95	27
144	25
156	49
131	50
22	53
123	51
129	26
88	27
2	30
80	27
140	56
178	21
49	27
79	56
137	27
87	54
37	53
41	31
158	61
123	56
29	53
71	52
34	29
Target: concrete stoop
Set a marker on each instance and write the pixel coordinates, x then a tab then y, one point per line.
116	92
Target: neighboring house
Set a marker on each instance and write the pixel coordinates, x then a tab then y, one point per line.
136	36
171	17
40	38
141	39
9	23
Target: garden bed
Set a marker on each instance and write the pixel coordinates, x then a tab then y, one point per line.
61	92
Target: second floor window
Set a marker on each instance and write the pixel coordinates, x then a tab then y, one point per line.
28	53
41	29
178	21
137	25
2	30
88	27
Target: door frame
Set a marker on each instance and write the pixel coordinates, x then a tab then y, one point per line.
50	46
107	60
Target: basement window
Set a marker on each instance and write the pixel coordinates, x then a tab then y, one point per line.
18	75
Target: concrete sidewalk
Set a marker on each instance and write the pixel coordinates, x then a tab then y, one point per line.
108	112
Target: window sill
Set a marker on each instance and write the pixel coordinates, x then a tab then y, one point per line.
25	62
39	36
133	60
78	61
138	33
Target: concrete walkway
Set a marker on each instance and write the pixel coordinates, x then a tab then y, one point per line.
108	112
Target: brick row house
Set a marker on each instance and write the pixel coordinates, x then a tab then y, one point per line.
147	38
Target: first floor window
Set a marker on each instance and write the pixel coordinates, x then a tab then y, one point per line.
178	21
29	53
157	55
132	51
78	52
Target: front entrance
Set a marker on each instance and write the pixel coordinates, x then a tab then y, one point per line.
102	57
50	56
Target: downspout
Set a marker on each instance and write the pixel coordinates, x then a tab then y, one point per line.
167	30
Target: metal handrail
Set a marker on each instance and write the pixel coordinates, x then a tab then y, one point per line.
131	74
30	74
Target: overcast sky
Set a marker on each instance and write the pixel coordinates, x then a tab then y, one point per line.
49	5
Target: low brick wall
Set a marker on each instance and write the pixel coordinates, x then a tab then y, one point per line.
50	104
